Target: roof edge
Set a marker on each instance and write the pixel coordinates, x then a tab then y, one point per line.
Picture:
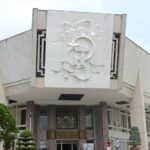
15	35
137	45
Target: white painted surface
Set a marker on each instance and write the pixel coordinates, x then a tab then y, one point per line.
16	57
78	49
39	18
1	145
51	96
136	59
137	109
2	92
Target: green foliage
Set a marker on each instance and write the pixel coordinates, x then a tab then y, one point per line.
26	133
26	141
8	128
9	141
134	138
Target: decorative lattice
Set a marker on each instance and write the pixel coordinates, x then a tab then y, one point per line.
40	53
66	118
114	57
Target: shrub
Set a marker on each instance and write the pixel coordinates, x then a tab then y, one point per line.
26	141
8	129
134	138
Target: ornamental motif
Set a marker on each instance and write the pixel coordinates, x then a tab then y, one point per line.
115	57
78	57
66	118
40	53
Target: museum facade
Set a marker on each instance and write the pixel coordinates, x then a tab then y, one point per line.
76	81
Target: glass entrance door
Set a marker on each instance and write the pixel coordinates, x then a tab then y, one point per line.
67	145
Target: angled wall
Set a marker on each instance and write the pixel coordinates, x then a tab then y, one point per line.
136	60
16	57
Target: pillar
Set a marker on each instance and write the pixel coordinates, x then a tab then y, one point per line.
137	112
51	130
36	122
100	126
30	115
3	98
82	127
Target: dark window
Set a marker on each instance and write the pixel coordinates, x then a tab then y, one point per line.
88	119
23	117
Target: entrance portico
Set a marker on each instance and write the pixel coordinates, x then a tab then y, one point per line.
67	145
71	127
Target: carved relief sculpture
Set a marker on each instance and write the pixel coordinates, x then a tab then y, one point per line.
78	58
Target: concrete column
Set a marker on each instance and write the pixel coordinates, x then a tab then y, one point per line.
100	126
36	122
137	112
3	98
82	127
51	125
30	115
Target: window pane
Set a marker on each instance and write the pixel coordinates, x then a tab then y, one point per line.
88	119
43	122
43	145
58	146
109	121
129	122
23	117
124	121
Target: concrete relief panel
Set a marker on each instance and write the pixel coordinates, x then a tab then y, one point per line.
78	49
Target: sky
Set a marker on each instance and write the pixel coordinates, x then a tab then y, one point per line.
16	15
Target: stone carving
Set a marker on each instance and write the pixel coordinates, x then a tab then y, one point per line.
78	56
66	119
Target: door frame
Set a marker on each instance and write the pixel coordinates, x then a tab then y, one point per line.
66	141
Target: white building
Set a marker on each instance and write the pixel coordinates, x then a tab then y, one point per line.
75	78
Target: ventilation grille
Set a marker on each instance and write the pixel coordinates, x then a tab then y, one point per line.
75	97
122	102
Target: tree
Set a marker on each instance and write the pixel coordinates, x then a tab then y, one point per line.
26	141
134	138
8	129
